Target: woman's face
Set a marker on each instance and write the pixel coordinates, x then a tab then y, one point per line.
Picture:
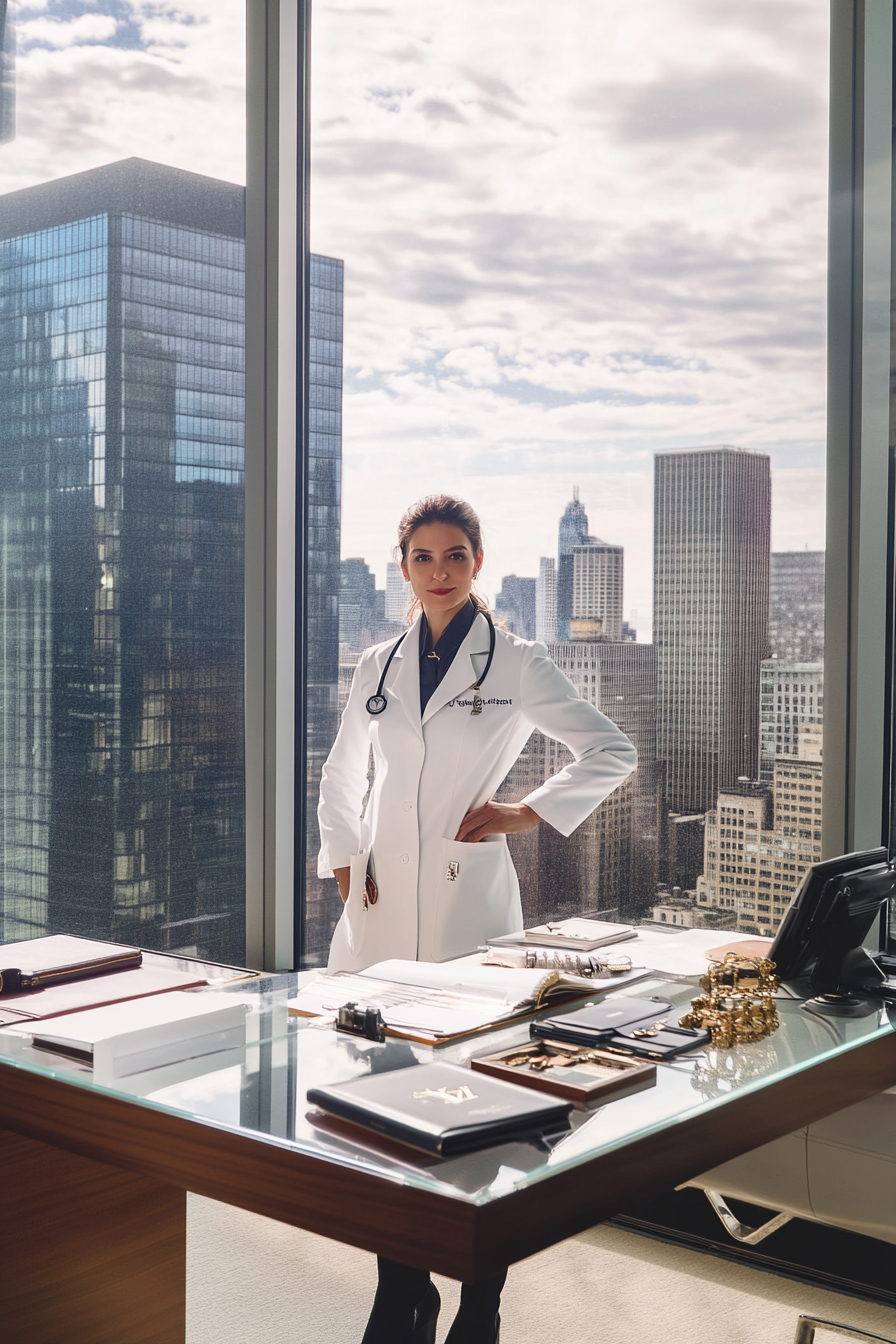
441	566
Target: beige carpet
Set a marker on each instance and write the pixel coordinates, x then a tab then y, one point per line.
252	1281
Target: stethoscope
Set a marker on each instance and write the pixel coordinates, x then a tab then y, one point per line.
377	703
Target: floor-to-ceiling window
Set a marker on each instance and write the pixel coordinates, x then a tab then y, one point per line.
122	240
582	272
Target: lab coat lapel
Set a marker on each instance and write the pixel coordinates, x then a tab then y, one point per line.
405	687
463	672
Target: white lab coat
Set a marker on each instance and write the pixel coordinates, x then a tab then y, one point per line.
429	774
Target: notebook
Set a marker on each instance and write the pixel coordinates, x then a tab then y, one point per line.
579	935
75	996
441	1108
39	962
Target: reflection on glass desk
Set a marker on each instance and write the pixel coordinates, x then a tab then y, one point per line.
260	1090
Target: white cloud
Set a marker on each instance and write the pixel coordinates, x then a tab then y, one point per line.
574	234
59	33
129	78
610	240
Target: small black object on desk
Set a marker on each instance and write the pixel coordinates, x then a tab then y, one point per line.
366	1022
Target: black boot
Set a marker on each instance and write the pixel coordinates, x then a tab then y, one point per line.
406	1306
477	1320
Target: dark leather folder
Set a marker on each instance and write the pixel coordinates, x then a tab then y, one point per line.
441	1108
39	962
595	1024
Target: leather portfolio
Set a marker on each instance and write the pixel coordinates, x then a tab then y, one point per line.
441	1108
39	962
596	1023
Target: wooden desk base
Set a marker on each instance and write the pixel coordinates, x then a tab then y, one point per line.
89	1254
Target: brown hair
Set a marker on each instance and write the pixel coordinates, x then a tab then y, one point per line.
441	509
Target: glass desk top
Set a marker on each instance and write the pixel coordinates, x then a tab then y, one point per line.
260	1089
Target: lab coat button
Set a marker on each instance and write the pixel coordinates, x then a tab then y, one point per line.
405	858
408	807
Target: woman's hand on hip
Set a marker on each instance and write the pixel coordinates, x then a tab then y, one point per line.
497	819
343	878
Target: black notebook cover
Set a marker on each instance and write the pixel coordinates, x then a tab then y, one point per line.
599	1021
441	1108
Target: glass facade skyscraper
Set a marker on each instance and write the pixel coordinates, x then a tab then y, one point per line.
121	556
121	509
323	523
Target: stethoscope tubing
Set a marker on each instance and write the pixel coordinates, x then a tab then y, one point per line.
377	703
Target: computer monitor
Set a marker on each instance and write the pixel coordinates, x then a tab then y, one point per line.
822	934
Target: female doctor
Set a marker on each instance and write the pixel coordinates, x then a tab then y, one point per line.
424	870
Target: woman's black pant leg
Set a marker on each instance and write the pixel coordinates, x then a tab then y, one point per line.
477	1316
400	1291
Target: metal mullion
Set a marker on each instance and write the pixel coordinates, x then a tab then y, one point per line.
855	717
276	358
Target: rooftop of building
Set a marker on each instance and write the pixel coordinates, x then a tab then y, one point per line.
130	186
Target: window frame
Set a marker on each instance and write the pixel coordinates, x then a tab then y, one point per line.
859	619
277	301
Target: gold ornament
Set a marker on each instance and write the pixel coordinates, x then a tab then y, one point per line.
738	1004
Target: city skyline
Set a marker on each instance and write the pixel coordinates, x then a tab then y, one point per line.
796	600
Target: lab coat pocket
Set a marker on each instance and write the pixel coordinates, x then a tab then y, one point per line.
476	893
355	914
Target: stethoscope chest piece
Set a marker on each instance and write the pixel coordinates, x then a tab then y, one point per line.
377	703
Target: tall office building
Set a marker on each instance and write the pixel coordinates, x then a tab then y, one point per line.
710	618
398	594
610	861
323	524
597	586
515	603
546	600
756	854
792	697
358	617
121	504
796	606
121	508
572	532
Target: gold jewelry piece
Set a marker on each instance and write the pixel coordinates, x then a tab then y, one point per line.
738	1004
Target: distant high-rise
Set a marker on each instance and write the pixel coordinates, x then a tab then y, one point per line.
796	606
515	603
546	600
610	861
597	586
398	593
712	512
357	604
572	532
792	697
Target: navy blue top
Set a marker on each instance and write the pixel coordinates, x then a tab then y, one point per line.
433	670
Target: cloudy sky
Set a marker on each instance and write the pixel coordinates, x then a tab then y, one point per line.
574	234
